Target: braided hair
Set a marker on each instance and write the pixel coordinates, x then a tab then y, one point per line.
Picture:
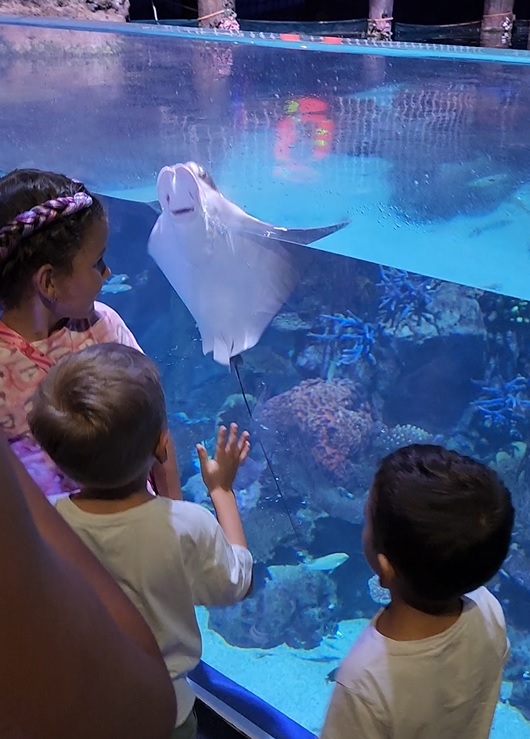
44	218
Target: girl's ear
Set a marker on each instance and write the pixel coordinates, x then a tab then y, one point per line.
160	451
43	283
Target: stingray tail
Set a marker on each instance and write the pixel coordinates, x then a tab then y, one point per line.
235	363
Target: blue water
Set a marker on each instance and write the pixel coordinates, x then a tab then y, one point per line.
425	152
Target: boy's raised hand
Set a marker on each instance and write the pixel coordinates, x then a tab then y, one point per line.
230	452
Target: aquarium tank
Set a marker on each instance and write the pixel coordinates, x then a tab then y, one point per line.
410	323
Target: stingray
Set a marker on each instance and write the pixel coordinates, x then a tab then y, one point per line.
232	271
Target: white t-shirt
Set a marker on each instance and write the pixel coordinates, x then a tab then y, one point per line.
167	556
443	687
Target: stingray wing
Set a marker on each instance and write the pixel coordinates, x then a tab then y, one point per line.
254	278
247	280
304	236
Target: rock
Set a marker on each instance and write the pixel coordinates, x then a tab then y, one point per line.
98	10
434	386
517	567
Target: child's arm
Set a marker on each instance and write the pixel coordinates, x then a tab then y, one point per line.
223	562
219	474
71	642
166	476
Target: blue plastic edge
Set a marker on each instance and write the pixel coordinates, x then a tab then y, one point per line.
242	701
305	43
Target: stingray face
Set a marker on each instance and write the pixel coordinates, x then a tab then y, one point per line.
178	189
201	174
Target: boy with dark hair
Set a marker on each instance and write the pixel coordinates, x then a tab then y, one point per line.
100	415
438	526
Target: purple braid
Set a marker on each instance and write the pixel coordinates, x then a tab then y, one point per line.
24	224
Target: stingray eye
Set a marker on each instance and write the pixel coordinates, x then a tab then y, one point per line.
201	172
205	177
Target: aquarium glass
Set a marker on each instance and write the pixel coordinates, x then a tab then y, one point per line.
411	323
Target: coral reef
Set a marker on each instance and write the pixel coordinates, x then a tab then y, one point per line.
378	593
505	406
290	322
345	339
405	296
500	310
391	438
267	529
340	503
517	567
296	606
457	312
325	421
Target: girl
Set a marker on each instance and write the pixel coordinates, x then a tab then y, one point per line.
53	235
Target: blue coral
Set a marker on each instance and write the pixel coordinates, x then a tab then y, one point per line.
405	296
346	339
505	405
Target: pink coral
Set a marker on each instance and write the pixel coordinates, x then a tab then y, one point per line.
325	418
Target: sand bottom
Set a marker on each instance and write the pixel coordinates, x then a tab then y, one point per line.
294	681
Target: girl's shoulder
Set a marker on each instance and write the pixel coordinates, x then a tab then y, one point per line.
104	325
104	312
108	325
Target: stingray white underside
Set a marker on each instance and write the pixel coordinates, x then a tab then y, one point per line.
232	278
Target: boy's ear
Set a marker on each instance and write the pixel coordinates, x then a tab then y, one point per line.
161	446
387	573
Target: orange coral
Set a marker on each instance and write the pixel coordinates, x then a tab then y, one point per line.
325	419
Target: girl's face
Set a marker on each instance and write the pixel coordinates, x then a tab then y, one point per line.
75	292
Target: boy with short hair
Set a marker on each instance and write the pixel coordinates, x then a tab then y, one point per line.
100	414
438	526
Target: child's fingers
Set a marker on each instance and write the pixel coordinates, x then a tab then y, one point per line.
221	440
232	437
243	453
243	439
201	453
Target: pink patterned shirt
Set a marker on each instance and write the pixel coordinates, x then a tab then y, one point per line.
22	367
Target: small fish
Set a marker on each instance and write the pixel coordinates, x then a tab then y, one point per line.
489	180
328	563
117	279
494	226
116	284
323	658
115	289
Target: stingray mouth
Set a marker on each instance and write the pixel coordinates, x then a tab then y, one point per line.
182	211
